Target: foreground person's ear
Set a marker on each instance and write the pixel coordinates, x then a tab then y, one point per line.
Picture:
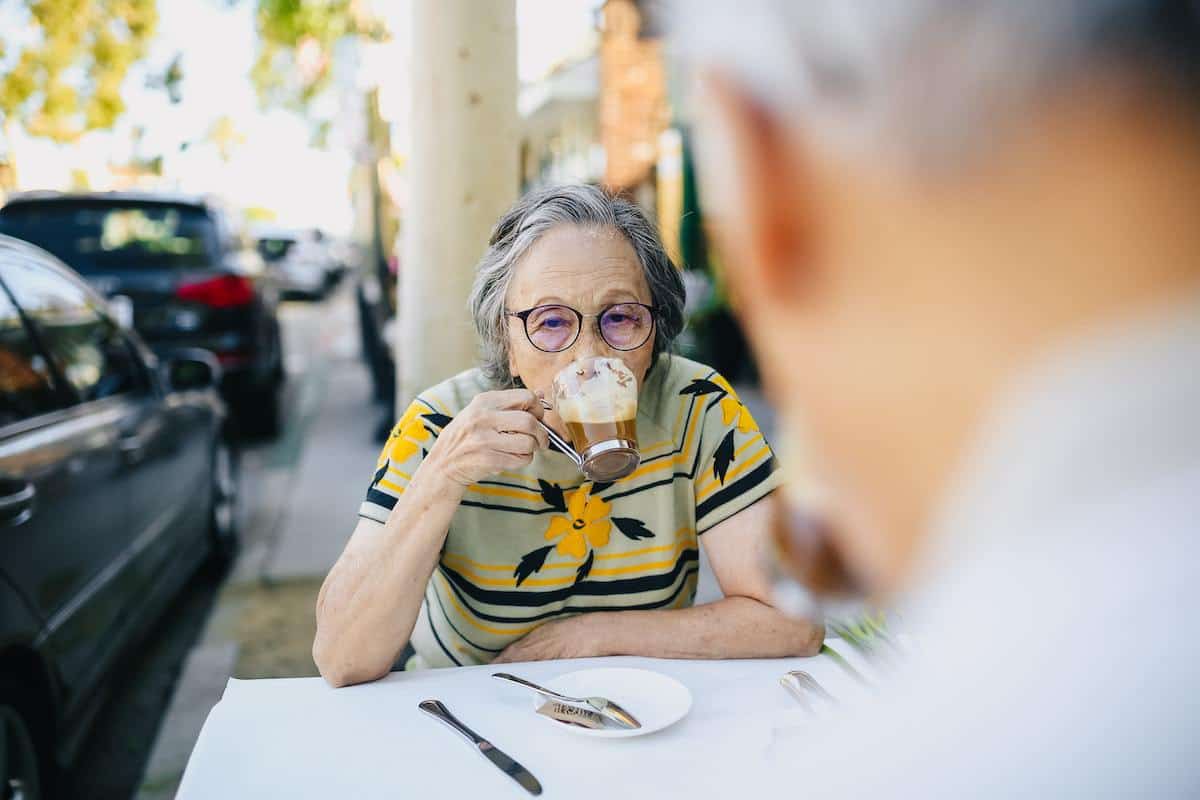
758	189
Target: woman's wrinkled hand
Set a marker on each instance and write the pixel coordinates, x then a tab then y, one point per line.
574	637
498	431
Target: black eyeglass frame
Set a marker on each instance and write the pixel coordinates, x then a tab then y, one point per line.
524	317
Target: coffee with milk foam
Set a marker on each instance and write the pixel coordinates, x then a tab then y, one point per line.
597	391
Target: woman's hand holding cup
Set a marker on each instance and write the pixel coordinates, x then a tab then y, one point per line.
498	431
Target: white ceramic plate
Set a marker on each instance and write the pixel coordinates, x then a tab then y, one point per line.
654	699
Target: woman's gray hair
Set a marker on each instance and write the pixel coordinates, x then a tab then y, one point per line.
535	214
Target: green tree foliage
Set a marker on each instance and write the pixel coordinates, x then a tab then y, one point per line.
170	80
65	77
297	41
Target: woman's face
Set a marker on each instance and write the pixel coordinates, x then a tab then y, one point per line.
587	269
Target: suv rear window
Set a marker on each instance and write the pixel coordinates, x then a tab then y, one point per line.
273	248
103	237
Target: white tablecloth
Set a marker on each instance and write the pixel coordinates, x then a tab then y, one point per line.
298	738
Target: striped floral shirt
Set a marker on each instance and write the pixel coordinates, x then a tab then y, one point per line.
542	543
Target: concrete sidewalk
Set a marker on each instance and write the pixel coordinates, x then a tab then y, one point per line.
300	500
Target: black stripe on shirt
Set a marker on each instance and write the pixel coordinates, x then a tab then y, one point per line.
437	638
646	583
737	488
647	606
656	484
494	507
453	627
381	499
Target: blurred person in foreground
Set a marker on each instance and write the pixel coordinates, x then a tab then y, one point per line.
477	544
966	242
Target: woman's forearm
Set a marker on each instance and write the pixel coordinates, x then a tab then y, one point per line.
733	627
370	600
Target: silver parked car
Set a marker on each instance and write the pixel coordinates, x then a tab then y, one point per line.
303	261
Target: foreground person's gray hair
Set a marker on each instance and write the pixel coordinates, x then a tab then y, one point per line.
535	214
927	79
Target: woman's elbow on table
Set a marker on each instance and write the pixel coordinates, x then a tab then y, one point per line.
338	676
339	672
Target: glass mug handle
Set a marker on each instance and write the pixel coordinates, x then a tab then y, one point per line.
561	443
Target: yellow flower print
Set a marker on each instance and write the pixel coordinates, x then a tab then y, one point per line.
407	436
584	524
732	408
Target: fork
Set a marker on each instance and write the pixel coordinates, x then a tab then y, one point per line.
602	704
798	681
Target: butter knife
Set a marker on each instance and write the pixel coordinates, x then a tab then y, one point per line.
492	753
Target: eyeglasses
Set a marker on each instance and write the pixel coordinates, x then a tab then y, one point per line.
554	328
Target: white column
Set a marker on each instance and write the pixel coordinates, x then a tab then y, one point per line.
462	176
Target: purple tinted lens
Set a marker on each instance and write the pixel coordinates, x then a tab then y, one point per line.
552	327
626	326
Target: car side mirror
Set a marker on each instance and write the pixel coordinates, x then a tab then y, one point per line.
121	308
191	370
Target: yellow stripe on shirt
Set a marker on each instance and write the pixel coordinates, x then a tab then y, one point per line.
510	581
395	487
706	485
513	493
714	484
682	543
668	564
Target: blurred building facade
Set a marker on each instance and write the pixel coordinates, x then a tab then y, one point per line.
560	126
634	108
600	118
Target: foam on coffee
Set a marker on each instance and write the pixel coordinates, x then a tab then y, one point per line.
602	390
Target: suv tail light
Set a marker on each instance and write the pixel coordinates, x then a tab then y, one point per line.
225	291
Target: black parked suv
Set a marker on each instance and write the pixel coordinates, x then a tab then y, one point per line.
191	278
116	484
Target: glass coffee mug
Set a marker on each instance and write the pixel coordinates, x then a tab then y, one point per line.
812	578
596	398
807	568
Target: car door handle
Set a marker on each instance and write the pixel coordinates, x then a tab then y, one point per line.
17	507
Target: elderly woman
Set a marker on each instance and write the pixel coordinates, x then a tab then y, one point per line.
478	543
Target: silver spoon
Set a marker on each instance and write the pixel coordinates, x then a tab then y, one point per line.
602	704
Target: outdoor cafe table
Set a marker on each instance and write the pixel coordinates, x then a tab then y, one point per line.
299	738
